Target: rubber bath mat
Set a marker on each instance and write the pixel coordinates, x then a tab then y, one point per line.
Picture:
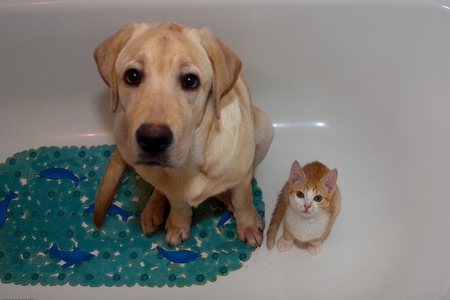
47	235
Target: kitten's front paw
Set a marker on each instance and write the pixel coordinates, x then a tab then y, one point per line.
283	245
314	250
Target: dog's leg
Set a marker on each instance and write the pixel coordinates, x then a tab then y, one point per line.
108	187
248	221
225	198
152	216
178	224
263	134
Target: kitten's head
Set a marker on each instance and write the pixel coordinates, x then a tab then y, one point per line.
311	194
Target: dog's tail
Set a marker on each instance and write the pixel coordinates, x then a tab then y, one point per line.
108	187
277	217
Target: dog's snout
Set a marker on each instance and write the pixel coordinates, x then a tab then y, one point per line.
153	138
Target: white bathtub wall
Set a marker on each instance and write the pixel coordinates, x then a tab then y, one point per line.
363	86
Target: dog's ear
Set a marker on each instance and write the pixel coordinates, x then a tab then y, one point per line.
105	56
226	65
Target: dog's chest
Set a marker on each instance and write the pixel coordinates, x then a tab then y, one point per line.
195	191
192	188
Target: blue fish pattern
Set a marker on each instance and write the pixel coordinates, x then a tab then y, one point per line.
75	256
225	215
114	209
61	173
4	207
180	256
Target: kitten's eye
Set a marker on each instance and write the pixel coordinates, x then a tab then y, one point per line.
190	81
132	77
300	195
318	198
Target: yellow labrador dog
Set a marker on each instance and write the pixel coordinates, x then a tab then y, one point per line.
185	122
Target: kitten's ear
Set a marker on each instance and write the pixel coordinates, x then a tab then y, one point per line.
329	181
296	174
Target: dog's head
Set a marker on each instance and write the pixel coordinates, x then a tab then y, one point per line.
164	78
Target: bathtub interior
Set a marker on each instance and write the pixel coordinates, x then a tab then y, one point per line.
360	86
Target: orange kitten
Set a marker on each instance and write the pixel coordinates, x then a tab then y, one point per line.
308	202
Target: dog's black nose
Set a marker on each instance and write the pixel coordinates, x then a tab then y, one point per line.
154	138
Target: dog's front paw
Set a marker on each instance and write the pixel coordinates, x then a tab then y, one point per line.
152	217
176	236
251	232
178	229
151	220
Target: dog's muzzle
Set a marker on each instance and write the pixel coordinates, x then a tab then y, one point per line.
153	140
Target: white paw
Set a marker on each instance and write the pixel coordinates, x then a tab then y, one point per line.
314	250
283	245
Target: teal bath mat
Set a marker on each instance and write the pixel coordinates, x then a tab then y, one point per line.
47	235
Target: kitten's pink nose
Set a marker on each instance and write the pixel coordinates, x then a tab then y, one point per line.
307	206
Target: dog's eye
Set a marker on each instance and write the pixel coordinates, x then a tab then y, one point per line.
133	77
190	81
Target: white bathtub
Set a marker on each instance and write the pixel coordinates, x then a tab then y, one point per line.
363	86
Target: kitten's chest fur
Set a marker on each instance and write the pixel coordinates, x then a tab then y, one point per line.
307	228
